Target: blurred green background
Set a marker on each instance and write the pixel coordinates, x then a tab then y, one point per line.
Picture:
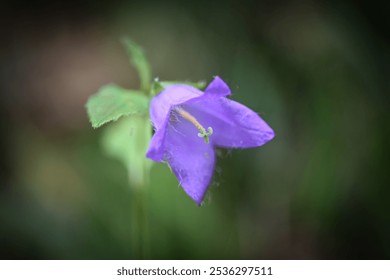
316	71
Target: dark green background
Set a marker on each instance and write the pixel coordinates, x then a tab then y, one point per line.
316	71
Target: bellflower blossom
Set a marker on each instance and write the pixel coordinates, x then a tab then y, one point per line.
189	124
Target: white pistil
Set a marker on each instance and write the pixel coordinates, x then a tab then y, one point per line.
202	131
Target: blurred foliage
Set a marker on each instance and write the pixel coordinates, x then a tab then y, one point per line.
128	140
158	86
316	71
139	61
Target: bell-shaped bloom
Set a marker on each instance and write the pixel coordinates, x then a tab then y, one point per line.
189	124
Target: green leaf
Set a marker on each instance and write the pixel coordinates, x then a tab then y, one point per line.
158	86
112	102
127	140
139	61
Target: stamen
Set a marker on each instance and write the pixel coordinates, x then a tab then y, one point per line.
202	131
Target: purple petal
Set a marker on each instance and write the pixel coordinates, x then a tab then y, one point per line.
218	87
234	125
156	146
161	104
190	158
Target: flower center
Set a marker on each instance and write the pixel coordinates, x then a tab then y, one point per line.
202	131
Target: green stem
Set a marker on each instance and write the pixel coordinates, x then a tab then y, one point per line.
140	222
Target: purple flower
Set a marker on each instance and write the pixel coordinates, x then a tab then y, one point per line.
189	124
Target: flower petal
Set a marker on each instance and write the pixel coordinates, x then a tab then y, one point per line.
234	125
161	104
190	158
156	146
218	87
